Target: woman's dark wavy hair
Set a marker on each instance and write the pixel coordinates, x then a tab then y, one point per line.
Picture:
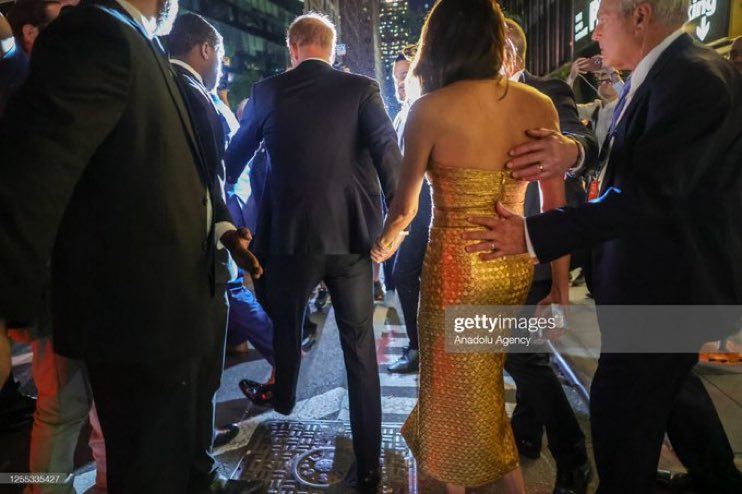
461	39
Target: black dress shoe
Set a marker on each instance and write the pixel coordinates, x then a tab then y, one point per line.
378	291
407	363
528	449
308	340
574	481
368	481
323	295
224	435
259	394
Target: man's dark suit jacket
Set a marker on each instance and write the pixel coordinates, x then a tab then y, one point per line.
210	134
666	229
330	142
100	171
569	120
569	123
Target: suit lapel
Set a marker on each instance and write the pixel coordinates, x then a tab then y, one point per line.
177	96
163	64
190	82
627	123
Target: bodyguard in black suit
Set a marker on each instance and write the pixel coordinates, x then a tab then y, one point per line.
196	49
331	143
102	172
664	231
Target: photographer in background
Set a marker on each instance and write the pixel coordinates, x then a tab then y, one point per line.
609	86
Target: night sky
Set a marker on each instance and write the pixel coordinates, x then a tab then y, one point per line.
419	4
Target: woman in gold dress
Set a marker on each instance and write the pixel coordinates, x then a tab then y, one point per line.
459	133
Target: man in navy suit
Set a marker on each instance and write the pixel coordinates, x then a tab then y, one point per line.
333	151
664	232
196	50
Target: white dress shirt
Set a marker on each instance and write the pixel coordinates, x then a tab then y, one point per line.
638	76
605	113
149	25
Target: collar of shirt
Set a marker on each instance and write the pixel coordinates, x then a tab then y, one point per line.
645	65
319	59
149	25
181	63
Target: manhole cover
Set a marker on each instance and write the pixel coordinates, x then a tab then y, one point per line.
322	467
316	457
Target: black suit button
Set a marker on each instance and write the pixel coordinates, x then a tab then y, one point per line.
205	245
205	201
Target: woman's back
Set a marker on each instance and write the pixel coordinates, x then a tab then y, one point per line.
474	123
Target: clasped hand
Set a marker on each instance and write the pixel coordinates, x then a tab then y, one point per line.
383	251
237	243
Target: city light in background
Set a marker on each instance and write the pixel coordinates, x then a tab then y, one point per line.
371	33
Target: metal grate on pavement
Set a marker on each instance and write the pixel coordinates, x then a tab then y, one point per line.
313	457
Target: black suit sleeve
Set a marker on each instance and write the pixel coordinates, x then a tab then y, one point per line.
668	164
210	133
75	94
379	134
246	140
569	122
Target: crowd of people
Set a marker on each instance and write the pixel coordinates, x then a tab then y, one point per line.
134	205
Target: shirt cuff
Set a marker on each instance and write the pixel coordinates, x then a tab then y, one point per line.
220	229
529	244
575	170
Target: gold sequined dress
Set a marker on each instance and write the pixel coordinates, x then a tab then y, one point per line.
459	431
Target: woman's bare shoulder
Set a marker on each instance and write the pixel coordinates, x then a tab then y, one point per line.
528	94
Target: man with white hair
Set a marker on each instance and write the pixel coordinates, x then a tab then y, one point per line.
664	232
333	150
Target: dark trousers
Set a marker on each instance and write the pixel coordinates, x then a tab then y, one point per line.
289	281
631	399
9	392
248	320
698	438
541	402
408	267
204	468
158	419
390	283
147	414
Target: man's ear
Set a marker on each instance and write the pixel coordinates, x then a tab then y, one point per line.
642	14
204	51
294	52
